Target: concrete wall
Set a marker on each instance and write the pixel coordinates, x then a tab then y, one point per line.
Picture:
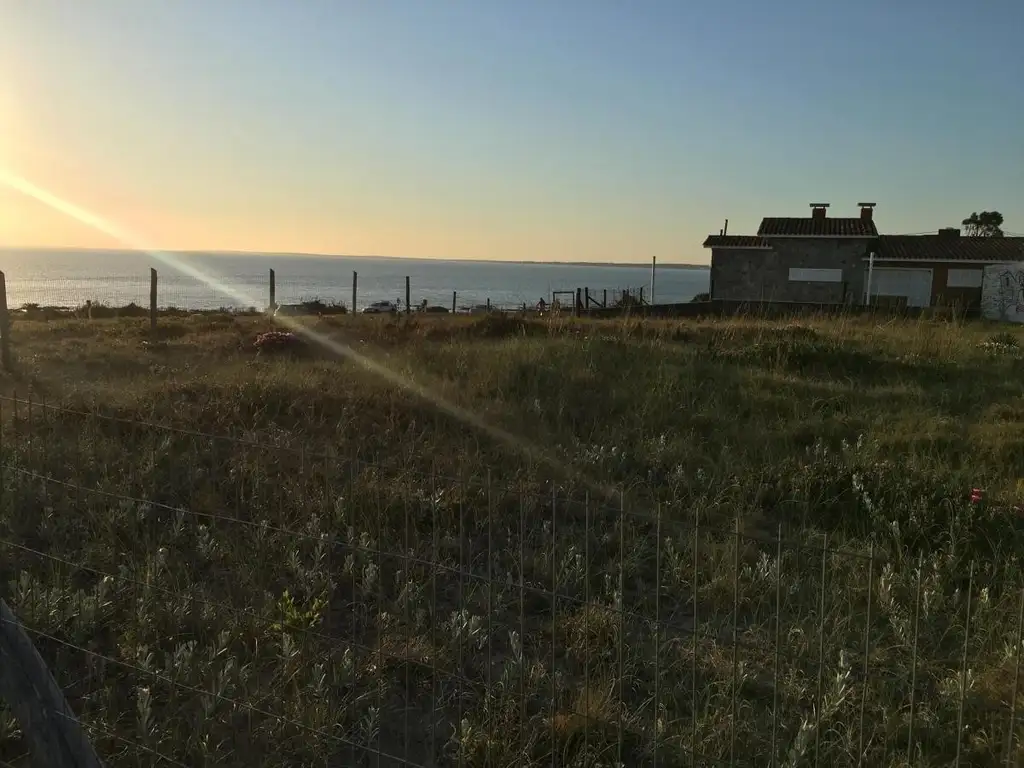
737	273
740	274
1002	292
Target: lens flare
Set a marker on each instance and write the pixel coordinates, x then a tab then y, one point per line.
134	242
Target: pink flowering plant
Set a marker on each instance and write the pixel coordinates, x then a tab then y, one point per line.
277	341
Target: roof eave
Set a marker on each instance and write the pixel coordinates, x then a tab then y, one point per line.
926	260
822	237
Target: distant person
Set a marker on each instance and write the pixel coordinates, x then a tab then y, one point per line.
541	305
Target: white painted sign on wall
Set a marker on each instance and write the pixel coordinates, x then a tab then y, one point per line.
914	285
798	274
964	278
1002	292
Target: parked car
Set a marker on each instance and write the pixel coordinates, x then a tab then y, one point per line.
380	308
436	309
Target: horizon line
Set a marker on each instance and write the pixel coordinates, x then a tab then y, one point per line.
292	254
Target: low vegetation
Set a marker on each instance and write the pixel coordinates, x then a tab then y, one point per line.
510	541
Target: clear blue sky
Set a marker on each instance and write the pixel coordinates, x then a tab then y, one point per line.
537	129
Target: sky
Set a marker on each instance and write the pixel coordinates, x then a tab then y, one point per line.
564	130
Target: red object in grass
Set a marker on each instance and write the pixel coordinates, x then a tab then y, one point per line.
977	494
277	340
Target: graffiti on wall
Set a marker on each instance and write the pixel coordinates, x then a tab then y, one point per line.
1002	295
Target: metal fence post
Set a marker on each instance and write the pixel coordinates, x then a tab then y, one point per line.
152	299
5	325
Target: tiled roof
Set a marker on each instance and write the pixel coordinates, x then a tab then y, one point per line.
950	248
735	241
823	227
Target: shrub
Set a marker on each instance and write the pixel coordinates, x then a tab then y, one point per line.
277	341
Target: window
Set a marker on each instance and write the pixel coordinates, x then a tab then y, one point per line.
963	278
798	274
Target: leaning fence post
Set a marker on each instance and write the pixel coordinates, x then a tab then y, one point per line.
5	325
355	285
273	292
53	734
152	299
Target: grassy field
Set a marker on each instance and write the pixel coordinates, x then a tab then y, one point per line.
504	542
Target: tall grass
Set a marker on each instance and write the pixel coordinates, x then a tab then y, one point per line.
353	577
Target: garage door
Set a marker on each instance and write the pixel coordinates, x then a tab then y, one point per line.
915	285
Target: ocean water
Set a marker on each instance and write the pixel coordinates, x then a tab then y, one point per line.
64	278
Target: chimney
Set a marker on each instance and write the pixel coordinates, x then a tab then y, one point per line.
818	210
725	230
949	232
866	210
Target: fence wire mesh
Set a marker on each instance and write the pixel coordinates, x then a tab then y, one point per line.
206	599
124	296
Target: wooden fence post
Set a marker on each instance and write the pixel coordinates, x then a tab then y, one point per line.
53	734
408	309
273	292
5	325
454	293
604	303
488	303
579	299
355	284
152	299
586	297
654	267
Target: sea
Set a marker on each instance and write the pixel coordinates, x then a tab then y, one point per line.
192	280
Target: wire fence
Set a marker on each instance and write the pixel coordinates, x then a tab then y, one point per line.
169	289
243	600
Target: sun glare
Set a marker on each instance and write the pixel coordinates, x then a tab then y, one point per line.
134	242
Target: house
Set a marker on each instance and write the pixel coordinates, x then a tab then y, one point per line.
825	260
944	269
817	260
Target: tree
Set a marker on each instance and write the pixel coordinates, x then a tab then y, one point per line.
984	224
